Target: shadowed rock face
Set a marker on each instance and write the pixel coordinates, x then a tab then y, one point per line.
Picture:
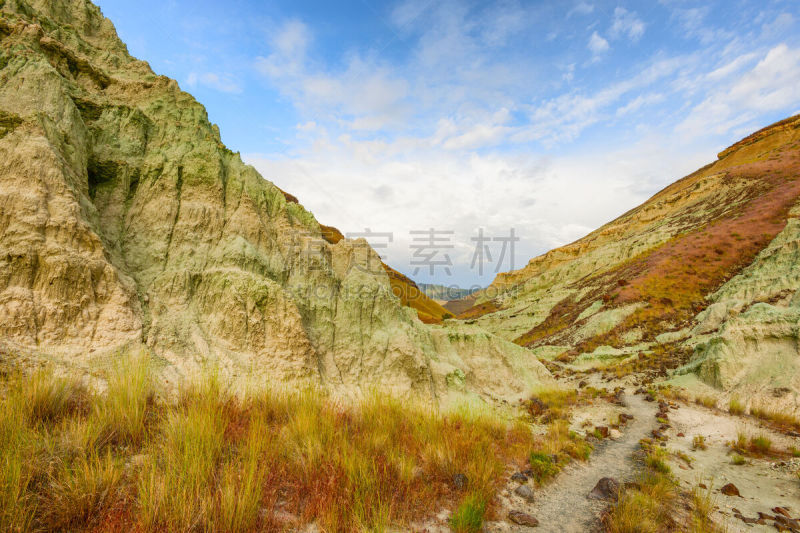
124	221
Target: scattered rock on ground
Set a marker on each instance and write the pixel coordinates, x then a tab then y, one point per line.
525	492
522	519
460	481
606	489
519	477
730	490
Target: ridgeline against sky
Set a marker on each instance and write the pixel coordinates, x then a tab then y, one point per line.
401	116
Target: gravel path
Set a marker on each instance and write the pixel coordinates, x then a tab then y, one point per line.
562	506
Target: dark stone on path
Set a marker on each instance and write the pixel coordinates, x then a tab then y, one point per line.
606	489
519	477
781	510
525	492
460	481
602	431
522	519
730	490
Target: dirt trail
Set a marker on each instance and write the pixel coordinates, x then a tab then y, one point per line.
562	506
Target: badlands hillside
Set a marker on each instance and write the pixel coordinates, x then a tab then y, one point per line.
184	347
126	224
703	276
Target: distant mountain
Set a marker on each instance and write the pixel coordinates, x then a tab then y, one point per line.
705	274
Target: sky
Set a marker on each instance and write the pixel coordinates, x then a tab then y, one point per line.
448	131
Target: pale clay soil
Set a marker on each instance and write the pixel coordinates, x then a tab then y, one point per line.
563	506
762	487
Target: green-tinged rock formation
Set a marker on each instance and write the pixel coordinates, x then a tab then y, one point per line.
124	221
662	277
748	339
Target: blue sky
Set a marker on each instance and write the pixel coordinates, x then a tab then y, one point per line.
551	118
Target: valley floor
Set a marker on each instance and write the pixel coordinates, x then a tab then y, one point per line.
78	460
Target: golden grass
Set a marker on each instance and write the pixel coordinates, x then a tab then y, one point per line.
755	446
781	419
706	401
120	460
736	407
655	503
647	508
699	442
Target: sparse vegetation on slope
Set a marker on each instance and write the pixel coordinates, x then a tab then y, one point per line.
650	271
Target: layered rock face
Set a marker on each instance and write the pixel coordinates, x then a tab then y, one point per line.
747	342
706	270
125	221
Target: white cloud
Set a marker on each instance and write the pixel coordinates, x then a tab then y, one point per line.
289	46
626	23
770	85
597	44
639	102
550	201
783	22
366	93
450	133
731	67
581	8
563	118
220	82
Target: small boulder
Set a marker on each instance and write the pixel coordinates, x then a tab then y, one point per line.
460	481
525	492
522	519
781	510
730	490
606	489
519	477
602	431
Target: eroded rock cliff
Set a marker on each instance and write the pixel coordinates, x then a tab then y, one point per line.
124	221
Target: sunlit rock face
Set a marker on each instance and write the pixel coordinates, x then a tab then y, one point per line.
704	274
125	222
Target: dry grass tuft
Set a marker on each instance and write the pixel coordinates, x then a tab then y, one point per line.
736	407
706	401
120	460
655	503
781	419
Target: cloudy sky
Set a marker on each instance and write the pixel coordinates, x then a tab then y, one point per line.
548	118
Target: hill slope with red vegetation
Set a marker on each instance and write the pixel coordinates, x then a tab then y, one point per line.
649	271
